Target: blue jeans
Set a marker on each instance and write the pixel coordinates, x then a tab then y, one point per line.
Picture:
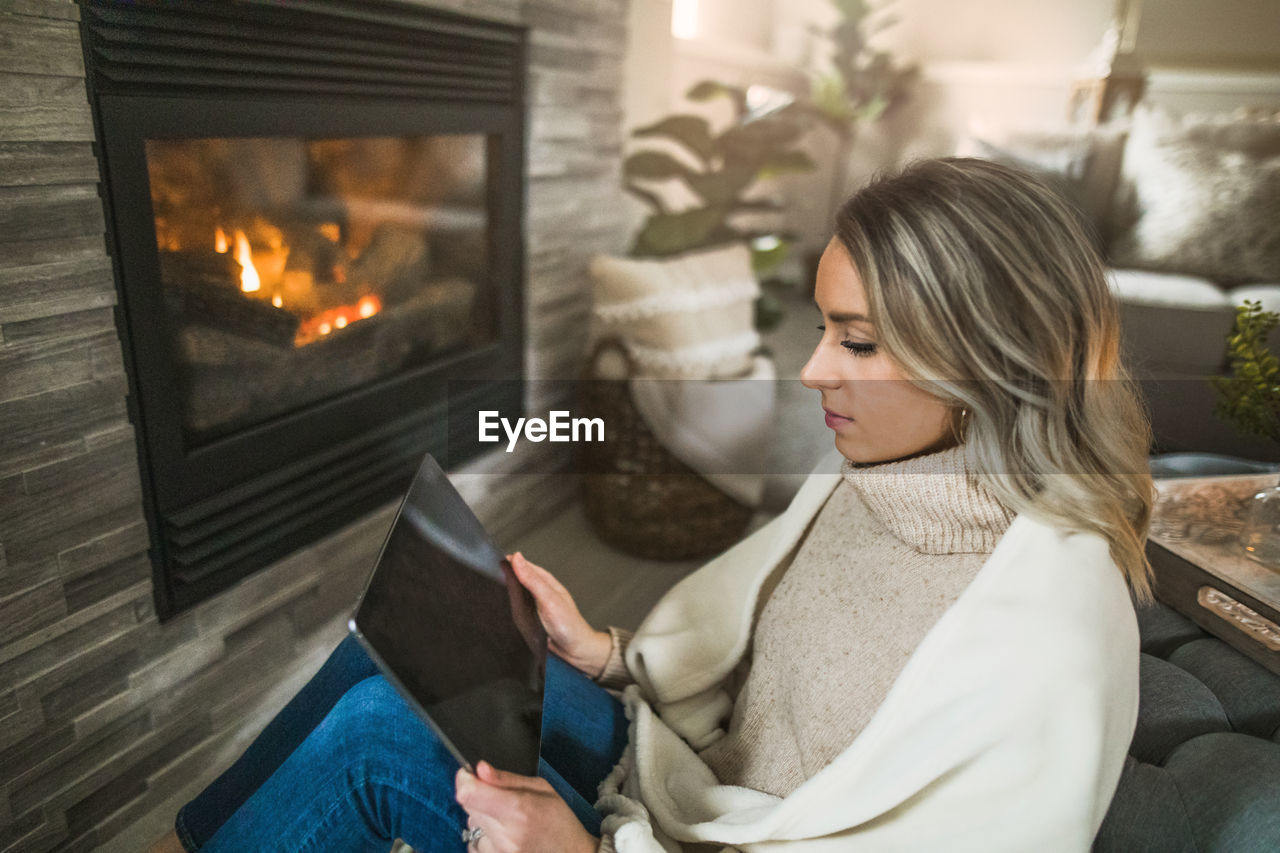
348	766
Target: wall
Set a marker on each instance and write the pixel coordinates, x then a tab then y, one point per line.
109	719
985	63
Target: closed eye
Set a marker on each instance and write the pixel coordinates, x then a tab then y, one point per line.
857	348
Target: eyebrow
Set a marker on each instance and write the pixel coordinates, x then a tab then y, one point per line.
838	317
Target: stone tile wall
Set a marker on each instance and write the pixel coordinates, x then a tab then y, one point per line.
107	716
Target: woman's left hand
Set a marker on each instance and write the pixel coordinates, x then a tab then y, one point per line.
519	814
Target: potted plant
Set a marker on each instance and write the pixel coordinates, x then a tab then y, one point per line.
720	170
1251	400
855	85
861	85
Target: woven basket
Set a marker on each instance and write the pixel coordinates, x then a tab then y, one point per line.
638	496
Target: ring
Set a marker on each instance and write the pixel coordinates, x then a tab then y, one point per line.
472	834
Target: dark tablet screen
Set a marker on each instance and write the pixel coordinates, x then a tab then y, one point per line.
452	628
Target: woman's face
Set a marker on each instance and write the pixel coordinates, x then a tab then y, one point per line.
877	415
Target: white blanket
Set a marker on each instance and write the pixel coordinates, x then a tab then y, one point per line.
1006	730
720	428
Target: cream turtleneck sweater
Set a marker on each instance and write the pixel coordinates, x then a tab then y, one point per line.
891	549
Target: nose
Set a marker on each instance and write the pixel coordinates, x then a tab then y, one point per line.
817	373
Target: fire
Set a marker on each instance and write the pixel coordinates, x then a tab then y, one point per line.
249	281
336	319
220	241
277	301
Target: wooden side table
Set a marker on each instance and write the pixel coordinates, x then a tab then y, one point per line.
1201	570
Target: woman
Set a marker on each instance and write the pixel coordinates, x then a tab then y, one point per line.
934	647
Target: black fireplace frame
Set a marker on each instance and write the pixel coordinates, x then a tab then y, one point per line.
312	69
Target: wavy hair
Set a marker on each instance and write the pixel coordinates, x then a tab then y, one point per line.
977	268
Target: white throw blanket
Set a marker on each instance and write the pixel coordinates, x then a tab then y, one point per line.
720	428
1006	730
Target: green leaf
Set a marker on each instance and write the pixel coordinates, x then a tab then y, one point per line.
709	90
723	186
653	200
759	205
693	132
853	10
1251	394
787	162
654	166
673	233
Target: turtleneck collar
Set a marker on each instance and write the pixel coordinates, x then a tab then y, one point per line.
932	502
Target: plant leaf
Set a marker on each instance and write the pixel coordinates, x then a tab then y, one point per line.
786	162
654	166
652	199
672	233
693	132
709	90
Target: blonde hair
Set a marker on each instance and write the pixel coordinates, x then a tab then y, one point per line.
976	266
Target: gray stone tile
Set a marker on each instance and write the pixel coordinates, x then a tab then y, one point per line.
46	163
60	327
115	545
56	765
36	252
41	46
31	610
22	577
22	661
92	587
44	213
40	429
70	502
34	369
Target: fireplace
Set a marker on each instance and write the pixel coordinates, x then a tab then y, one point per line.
315	215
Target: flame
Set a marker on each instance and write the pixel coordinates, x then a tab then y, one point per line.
335	319
220	241
277	301
249	281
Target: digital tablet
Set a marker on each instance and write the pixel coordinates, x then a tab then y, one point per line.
448	623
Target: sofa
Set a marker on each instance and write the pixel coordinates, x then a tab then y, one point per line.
1203	770
1186	211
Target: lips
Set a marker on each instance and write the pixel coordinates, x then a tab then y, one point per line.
835	421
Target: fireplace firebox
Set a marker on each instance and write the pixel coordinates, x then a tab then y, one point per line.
315	216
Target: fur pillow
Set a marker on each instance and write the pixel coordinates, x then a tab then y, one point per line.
1202	197
1082	164
691	316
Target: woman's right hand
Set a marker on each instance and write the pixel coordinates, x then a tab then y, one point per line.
568	634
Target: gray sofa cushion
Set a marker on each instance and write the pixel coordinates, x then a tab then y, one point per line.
1174	706
1203	772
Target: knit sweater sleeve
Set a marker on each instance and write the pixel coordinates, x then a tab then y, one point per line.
615	674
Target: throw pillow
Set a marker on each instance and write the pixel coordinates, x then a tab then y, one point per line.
1202	197
691	316
1081	164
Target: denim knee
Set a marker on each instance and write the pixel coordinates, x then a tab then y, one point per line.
372	725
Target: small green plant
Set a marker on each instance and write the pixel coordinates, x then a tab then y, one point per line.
861	84
720	170
1251	394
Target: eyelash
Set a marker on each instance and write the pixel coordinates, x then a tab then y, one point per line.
855	347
